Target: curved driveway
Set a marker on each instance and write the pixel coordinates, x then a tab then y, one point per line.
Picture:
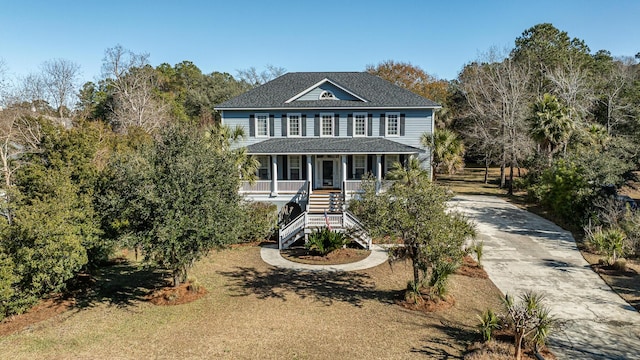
523	251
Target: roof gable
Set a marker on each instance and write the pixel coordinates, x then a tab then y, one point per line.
361	90
326	90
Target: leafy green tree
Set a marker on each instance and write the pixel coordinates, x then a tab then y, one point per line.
546	48
177	197
415	214
447	151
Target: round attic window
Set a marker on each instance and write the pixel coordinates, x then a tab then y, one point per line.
327	95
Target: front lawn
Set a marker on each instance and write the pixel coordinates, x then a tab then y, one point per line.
253	310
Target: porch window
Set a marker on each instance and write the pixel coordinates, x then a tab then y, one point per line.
326	124
360	124
264	171
393	124
294	125
359	166
262	125
389	160
294	167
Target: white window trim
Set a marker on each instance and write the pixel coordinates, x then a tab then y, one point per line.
267	165
354	165
299	115
299	166
256	124
386	124
366	125
333	124
330	95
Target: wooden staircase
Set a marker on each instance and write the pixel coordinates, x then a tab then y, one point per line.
331	201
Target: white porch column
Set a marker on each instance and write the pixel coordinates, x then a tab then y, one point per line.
343	178
379	168
274	175
310	173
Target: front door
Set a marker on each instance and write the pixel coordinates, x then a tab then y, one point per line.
327	173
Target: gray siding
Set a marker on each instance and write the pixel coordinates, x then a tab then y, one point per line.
337	93
416	123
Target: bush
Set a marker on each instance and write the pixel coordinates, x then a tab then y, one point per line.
439	276
325	241
261	219
563	189
489	321
609	242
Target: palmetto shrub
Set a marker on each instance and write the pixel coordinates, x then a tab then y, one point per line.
324	241
609	242
489	322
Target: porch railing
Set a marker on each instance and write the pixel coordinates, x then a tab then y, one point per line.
260	186
291	186
264	186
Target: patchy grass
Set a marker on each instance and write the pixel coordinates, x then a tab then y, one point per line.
253	310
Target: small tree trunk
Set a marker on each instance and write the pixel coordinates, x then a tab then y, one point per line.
486	170
503	179
518	345
176	277
416	272
510	192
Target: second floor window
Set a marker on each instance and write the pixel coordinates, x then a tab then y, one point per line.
360	124
326	124
294	125
393	124
262	125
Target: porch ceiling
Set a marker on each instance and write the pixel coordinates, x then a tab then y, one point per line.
304	145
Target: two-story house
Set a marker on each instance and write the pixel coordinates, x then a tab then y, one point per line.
316	134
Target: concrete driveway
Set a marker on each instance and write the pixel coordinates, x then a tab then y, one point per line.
523	251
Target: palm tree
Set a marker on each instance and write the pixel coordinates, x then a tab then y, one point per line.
222	138
447	151
410	173
550	125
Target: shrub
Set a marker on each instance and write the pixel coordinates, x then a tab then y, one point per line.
325	241
440	275
489	321
261	219
609	242
478	248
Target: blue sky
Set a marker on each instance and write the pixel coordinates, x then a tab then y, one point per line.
319	35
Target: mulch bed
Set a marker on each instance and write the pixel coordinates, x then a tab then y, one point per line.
182	294
429	305
336	257
471	269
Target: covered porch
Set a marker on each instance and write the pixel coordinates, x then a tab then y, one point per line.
300	166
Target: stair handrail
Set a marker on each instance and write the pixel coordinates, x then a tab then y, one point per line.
349	217
291	228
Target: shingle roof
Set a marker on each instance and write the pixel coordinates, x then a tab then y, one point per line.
330	146
378	92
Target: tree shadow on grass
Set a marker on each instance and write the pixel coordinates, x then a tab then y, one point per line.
325	287
121	285
441	347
